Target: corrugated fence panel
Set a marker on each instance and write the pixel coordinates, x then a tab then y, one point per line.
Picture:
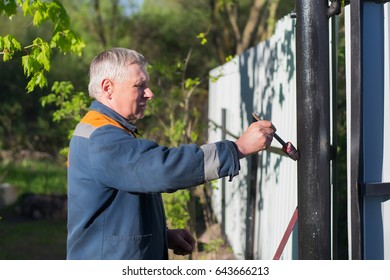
224	94
260	80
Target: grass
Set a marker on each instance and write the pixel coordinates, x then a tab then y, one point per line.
32	240
23	238
36	176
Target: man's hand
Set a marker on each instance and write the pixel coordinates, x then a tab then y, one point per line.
180	241
257	137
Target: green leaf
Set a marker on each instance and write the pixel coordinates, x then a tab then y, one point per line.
215	78
38	59
43	58
8	46
71	105
228	58
67	41
190	83
58	15
8	7
41	80
30	65
26	8
38	18
38	79
202	37
194	136
31	85
37	62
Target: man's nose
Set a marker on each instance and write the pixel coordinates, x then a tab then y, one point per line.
149	93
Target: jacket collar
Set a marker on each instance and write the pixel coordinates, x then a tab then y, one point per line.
103	109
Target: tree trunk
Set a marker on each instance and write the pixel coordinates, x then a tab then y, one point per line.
100	24
250	27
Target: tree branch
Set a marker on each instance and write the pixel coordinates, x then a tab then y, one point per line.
231	10
99	23
250	26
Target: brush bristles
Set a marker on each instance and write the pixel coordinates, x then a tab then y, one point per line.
290	150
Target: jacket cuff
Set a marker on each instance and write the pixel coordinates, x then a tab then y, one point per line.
221	159
235	167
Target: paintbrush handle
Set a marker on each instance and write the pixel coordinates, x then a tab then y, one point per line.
256	116
280	140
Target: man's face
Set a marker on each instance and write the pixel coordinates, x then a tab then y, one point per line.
129	96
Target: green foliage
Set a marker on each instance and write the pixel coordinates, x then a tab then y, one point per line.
37	54
190	83
214	79
68	42
8	8
179	209
37	176
36	62
202	37
71	105
213	246
176	208
176	106
8	45
176	131
228	58
214	185
180	112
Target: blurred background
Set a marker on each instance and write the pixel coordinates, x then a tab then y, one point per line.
43	94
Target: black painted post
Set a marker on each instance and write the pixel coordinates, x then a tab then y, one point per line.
356	238
223	187
313	116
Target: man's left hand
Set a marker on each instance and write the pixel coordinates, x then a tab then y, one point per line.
180	241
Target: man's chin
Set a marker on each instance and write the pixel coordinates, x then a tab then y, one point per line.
140	116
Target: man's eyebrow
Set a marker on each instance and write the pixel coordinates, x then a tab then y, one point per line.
143	81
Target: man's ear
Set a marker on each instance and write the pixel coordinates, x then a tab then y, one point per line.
107	88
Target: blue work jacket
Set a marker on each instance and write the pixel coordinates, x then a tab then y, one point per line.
115	181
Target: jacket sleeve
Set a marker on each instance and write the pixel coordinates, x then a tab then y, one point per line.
138	165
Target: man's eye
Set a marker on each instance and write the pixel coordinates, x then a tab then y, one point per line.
143	85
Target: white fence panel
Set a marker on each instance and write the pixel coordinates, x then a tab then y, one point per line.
260	80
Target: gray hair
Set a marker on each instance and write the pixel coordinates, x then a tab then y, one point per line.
111	64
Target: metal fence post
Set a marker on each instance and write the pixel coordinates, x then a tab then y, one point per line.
223	188
313	121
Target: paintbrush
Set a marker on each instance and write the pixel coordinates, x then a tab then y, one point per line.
287	147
